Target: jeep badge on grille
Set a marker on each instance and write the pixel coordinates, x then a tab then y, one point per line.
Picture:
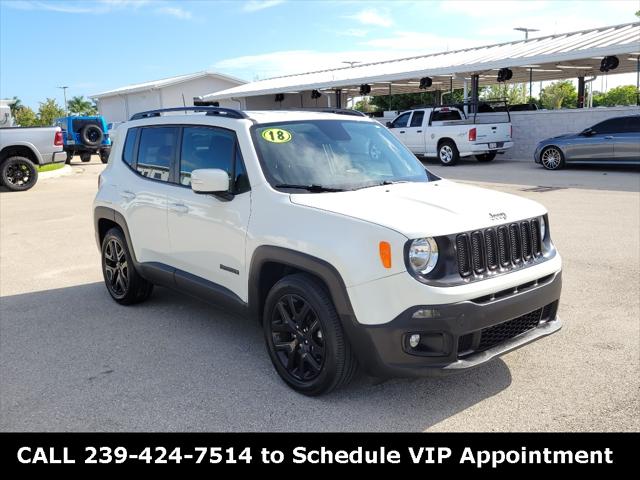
498	216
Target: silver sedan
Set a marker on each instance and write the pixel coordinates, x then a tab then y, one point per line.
613	141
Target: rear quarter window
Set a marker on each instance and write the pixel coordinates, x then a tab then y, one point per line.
128	152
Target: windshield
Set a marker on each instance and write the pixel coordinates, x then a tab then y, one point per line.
334	155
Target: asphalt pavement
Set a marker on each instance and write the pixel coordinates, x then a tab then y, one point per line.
71	359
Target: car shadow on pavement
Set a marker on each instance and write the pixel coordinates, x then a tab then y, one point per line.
71	359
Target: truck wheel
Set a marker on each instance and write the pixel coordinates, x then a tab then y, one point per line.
448	153
85	157
18	174
124	283
104	156
486	157
304	336
91	135
552	158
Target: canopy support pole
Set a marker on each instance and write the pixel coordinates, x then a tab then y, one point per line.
580	92
464	95
338	98
530	84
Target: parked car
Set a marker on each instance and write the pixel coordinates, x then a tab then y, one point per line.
612	141
21	149
332	235
448	134
85	136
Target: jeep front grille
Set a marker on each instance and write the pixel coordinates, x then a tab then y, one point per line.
501	248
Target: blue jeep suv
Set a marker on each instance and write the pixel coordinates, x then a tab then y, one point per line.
85	136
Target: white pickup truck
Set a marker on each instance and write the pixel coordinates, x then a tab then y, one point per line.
448	134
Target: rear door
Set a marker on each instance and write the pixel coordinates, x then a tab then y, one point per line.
150	153
626	142
414	132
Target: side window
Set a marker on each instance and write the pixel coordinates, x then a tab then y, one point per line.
416	120
633	124
205	147
128	151
401	121
613	125
156	152
445	115
242	179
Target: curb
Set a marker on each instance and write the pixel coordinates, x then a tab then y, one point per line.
66	170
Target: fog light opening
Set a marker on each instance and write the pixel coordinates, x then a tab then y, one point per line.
414	340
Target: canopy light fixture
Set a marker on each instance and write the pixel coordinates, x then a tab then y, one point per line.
577	67
425	82
365	89
504	74
609	63
315	94
279	97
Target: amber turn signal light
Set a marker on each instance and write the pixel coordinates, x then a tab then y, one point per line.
385	254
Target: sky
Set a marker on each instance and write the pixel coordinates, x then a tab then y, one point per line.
97	45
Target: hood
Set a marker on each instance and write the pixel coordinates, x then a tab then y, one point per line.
425	209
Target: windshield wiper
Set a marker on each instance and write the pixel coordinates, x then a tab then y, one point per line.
384	182
310	188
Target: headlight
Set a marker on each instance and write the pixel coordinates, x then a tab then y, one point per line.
543	228
423	255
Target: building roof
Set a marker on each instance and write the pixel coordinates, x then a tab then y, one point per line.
565	55
140	87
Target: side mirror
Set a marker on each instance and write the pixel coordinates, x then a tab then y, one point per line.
210	180
389	125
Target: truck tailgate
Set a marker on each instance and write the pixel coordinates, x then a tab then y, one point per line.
493	132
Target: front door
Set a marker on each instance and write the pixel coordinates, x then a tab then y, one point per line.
415	132
207	233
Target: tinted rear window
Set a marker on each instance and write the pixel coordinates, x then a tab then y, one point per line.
128	153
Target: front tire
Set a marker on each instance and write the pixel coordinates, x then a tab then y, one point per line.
104	156
18	174
486	157
448	153
304	336
552	158
123	282
85	157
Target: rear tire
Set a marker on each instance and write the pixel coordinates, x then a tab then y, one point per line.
448	153
552	158
486	157
123	282
104	156
18	173
69	158
304	336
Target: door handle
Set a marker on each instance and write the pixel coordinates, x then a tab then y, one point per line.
178	208
401	131
127	195
609	137
419	131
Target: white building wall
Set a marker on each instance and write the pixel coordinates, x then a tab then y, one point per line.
529	128
119	108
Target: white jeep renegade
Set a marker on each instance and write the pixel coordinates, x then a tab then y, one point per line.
328	231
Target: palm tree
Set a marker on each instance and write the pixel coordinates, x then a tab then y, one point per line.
16	105
80	106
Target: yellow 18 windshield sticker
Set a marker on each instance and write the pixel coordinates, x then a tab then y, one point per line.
276	135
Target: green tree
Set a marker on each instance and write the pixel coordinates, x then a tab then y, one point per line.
562	94
81	106
26	117
622	95
513	93
365	105
49	110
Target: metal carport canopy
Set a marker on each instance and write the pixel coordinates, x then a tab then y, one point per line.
560	56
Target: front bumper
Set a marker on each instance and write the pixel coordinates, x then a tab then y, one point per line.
454	333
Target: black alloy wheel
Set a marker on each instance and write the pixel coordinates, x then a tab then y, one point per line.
18	173
116	268
304	336
297	337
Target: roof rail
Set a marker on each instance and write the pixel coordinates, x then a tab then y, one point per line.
337	111
226	112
